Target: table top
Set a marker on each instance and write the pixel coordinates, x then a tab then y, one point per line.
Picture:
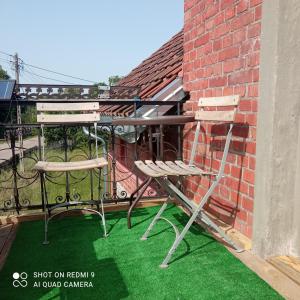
159	120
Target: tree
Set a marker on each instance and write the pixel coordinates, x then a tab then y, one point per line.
113	80
3	74
73	134
101	83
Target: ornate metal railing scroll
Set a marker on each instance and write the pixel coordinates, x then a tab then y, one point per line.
21	189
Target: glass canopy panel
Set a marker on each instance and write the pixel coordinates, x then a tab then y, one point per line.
6	89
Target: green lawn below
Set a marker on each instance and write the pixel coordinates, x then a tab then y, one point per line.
125	267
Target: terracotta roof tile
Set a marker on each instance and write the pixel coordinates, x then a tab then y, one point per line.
152	75
153	72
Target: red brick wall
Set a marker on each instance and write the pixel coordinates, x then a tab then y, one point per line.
221	57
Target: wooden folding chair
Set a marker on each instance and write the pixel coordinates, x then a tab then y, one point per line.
160	171
62	114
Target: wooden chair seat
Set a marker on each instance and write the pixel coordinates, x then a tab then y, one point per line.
169	168
44	166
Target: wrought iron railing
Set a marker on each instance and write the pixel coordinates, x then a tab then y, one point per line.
52	91
20	187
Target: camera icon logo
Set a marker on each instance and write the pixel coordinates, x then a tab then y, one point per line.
20	279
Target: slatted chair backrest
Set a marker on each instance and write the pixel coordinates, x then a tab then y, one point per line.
215	112
217	115
60	112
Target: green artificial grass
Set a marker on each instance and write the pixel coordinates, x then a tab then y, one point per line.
125	267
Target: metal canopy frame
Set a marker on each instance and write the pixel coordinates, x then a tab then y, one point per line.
172	93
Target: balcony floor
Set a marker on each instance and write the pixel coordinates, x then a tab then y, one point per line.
125	267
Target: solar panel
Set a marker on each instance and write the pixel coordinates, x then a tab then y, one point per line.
6	89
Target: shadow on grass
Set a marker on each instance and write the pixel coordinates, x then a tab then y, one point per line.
74	247
135	213
188	250
108	283
116	216
180	221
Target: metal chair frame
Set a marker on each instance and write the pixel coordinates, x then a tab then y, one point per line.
42	166
160	171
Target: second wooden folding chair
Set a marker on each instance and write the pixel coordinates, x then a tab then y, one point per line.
161	171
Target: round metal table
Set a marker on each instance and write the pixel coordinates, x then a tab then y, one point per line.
160	120
157	121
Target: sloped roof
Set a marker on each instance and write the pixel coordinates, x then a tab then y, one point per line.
158	70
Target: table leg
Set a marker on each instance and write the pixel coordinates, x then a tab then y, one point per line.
161	131
142	188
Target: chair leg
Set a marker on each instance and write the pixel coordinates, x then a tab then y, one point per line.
45	242
156	218
100	199
197	212
165	262
103	218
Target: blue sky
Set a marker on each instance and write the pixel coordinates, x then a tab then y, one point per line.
88	39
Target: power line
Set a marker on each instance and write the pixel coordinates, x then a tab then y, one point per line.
58	73
38	75
3	52
32	77
28	77
5	60
50	71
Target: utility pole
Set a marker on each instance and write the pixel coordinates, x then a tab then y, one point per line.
19	119
17	68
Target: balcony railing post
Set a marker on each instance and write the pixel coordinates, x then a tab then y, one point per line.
150	141
161	143
41	175
91	171
114	183
66	159
179	134
12	134
135	142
